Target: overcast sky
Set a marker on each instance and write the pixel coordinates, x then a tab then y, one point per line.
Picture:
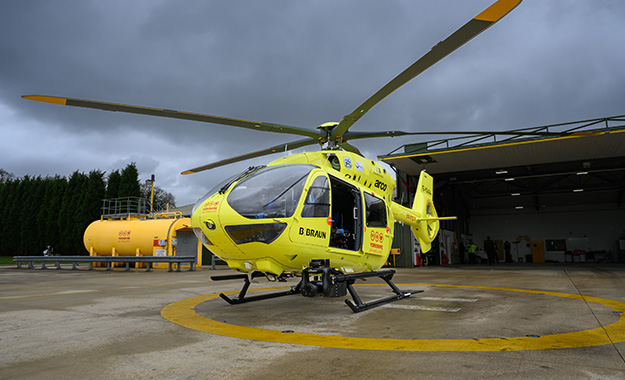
298	63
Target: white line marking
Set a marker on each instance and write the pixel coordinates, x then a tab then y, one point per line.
447	299
424	308
48	294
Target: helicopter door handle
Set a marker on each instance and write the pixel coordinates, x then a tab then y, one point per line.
355	213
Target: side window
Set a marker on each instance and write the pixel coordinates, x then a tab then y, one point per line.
376	211
317	202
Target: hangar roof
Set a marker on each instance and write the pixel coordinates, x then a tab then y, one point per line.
584	164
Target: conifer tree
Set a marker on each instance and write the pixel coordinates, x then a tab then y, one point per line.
68	228
55	211
91	205
55	190
112	186
8	225
5	189
129	182
32	242
22	215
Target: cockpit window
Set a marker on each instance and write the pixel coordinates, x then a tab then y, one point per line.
272	192
224	185
376	211
317	202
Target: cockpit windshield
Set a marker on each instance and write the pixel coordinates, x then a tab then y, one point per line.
272	192
224	185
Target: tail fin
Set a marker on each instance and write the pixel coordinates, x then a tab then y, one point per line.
422	217
427	225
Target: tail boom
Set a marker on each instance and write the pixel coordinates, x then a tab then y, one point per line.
422	217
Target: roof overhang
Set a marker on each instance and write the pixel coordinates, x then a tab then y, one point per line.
599	145
581	168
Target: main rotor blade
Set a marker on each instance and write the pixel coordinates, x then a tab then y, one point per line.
259	153
469	30
350	148
115	107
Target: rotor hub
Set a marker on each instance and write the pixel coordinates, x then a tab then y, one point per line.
326	129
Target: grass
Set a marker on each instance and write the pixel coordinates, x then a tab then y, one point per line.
6	260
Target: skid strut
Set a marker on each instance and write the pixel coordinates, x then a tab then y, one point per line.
320	279
241	298
386	275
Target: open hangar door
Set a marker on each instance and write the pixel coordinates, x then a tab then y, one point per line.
553	199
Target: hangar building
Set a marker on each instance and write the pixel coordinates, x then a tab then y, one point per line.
554	198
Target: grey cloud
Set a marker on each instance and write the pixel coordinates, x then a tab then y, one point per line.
299	63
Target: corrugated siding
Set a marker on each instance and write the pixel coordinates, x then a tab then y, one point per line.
403	241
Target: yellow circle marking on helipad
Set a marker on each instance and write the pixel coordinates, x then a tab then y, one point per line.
183	313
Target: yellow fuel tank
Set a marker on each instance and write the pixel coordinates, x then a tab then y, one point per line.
134	236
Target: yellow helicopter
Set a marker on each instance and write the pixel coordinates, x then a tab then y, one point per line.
326	216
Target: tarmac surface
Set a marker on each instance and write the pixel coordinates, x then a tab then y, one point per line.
471	322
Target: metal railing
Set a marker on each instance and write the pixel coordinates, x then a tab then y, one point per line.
109	260
116	208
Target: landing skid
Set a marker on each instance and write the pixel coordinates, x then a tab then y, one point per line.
241	298
385	275
321	279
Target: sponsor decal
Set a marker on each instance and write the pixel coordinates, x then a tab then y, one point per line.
380	185
348	162
360	166
312	232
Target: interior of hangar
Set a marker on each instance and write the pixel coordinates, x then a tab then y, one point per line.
555	197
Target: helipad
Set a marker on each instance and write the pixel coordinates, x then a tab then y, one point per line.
472	322
184	313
